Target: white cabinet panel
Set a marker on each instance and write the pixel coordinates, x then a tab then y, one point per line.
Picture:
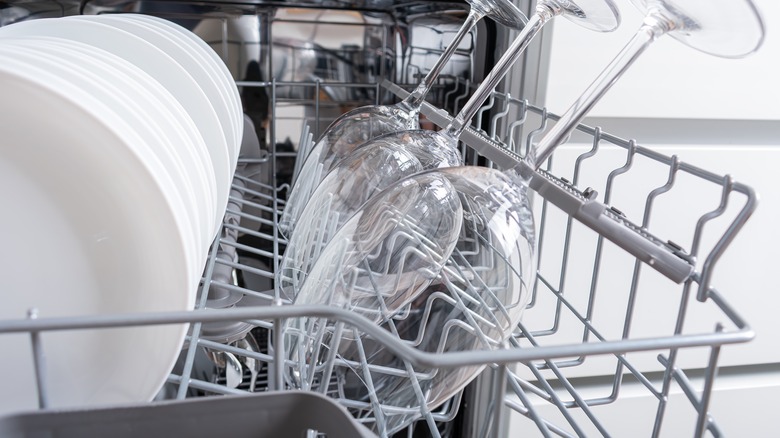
669	80
746	275
742	406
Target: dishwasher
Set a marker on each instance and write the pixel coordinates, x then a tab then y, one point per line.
573	356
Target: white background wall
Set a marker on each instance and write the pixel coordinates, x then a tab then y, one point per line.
670	80
722	115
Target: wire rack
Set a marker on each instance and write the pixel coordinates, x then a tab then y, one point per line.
628	242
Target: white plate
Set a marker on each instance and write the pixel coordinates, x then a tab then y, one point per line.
204	48
139	107
167	115
90	224
157	64
197	65
208	59
126	99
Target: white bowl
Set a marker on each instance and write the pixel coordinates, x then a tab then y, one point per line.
92	223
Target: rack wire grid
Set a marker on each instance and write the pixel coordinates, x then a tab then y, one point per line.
601	322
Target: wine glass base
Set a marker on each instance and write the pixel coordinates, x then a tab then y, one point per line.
725	28
500	11
598	15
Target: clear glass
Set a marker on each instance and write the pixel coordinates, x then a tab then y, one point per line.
468	298
381	162
360	125
726	28
477	297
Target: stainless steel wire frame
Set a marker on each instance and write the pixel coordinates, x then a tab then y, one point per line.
536	364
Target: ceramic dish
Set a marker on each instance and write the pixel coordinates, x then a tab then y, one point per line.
200	46
97	226
157	64
186	144
126	100
193	62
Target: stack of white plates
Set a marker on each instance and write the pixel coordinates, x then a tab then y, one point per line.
119	136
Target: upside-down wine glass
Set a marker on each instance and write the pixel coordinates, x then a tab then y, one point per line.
359	125
707	26
384	160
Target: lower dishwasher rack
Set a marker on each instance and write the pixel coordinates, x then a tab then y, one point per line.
602	322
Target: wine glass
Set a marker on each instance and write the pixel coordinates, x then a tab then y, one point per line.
468	298
359	125
383	387
390	157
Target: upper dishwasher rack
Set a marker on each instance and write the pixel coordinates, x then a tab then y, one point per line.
584	323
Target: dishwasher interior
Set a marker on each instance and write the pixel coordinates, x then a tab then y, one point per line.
299	65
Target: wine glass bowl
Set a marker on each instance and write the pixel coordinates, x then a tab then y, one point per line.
347	133
473	301
356	179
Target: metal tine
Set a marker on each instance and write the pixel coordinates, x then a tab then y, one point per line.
718	211
565	256
426	413
317	103
575	180
509	140
331	358
307	383
694	252
543	215
500	115
531	135
486	107
632	294
578	401
601	338
582	157
39	363
674	167
303	152
247	180
195	328
669	365
523	384
525	408
554	398
451	93
714	255
466	93
496	407
378	414
630	152
449	410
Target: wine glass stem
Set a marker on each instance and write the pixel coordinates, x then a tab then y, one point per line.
416	98
652	28
534	25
